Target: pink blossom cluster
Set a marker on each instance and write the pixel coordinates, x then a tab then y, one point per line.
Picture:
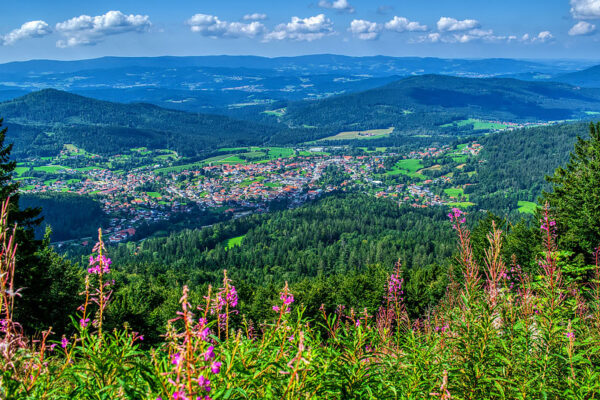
394	287
547	224
287	299
457	216
99	264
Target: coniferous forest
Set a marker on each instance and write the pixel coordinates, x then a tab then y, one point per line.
347	296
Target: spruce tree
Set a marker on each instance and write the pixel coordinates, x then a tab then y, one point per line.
575	198
49	284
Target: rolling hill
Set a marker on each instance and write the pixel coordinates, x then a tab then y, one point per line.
42	122
589	77
427	103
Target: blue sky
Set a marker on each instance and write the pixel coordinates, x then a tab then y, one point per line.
31	29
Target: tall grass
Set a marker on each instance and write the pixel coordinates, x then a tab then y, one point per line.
499	333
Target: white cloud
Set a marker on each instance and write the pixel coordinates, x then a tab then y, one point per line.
446	24
481	35
434	37
340	5
308	29
31	29
582	28
401	24
212	26
86	30
365	30
255	17
543	37
585	9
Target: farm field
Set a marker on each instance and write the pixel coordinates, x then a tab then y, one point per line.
457	193
407	167
233	242
527	207
461	204
478	125
361	135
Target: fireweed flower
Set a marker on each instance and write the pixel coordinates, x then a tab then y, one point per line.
216	367
83	322
209	354
99	263
457	217
286	298
64	342
176	359
204	383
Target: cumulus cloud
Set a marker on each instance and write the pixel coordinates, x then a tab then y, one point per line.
212	26
582	28
339	5
307	29
472	35
255	17
585	9
365	30
446	24
542	37
31	29
401	24
87	30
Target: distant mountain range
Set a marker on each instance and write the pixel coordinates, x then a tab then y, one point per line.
245	85
42	122
589	77
422	104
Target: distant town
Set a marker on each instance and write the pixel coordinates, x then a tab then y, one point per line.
145	185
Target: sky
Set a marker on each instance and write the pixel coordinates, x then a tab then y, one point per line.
68	29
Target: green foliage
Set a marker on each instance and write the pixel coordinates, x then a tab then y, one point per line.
575	198
70	216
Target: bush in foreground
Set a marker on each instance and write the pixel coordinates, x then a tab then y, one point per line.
498	333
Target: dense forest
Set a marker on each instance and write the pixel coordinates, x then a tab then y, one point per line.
512	165
69	215
418	104
109	128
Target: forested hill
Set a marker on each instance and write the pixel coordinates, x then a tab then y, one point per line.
421	103
589	77
42	122
512	165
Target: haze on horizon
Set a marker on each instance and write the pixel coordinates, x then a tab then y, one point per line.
68	29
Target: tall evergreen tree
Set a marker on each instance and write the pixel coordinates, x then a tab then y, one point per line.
575	198
49	283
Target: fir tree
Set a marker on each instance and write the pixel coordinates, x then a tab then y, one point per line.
49	284
575	198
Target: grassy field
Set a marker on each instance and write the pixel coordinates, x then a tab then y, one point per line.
21	170
50	169
154	195
527	207
236	241
478	125
280	152
277	113
407	167
461	204
457	193
361	135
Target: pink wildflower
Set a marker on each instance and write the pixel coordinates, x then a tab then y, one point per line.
216	367
176	359
209	354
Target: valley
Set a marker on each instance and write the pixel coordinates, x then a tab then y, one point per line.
145	186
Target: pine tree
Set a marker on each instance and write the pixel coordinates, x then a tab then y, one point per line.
49	283
575	198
